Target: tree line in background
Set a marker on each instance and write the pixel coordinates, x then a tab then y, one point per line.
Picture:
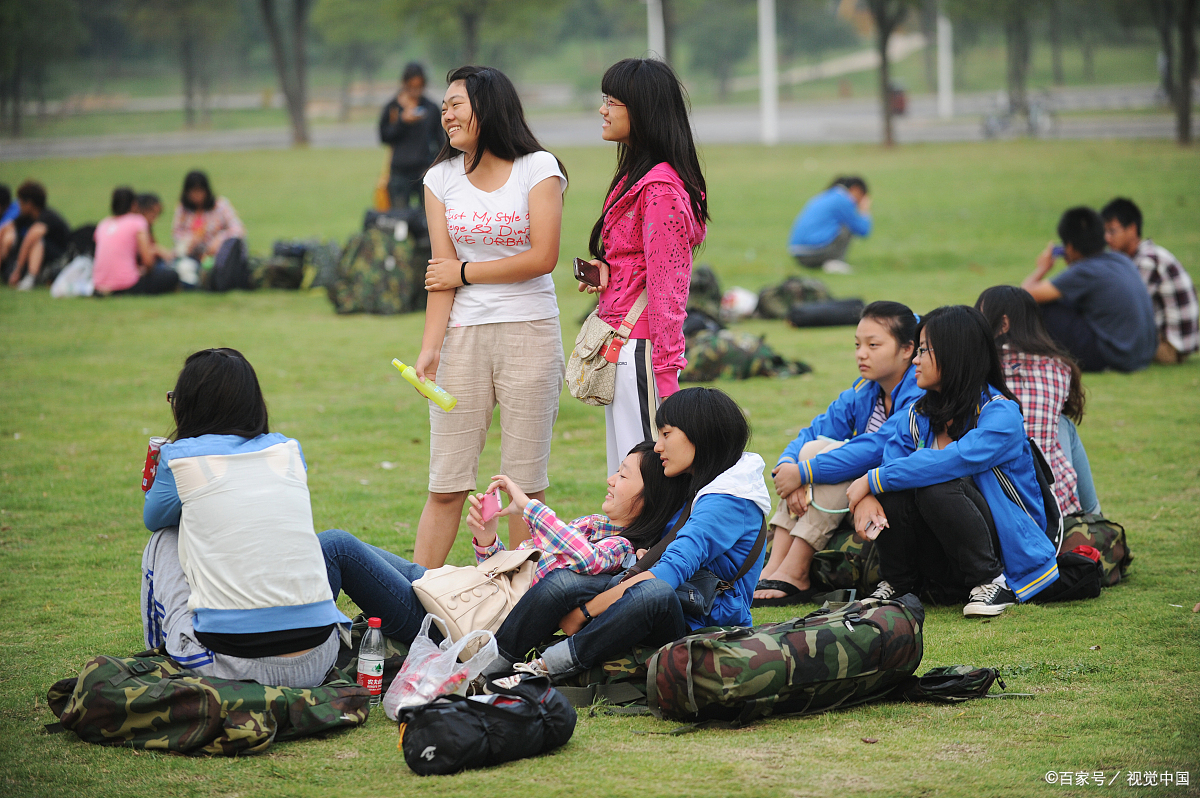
357	35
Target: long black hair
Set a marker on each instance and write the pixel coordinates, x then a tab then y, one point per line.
965	352
659	132
217	393
499	118
714	424
1027	333
896	317
197	179
122	200
662	497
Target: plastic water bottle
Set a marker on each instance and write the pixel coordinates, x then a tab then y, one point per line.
431	390
370	661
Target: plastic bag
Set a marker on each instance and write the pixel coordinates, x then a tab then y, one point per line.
74	280
431	670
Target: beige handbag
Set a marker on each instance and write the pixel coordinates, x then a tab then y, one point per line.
592	367
470	598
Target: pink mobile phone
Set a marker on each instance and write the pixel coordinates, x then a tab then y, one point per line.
491	505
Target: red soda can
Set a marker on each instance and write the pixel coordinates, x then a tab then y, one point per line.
150	471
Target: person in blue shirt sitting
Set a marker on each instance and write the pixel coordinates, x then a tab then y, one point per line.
714	558
839	445
9	208
821	233
955	509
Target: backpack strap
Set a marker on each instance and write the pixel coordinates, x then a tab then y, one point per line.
651	557
748	563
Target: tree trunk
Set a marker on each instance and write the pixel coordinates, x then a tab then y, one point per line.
668	12
1164	23
290	81
17	99
1056	63
298	110
187	54
1016	39
1089	57
470	29
929	10
347	82
1187	71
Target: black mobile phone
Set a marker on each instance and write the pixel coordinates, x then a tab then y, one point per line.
587	273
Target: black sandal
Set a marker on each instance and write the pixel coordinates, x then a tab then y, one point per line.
791	594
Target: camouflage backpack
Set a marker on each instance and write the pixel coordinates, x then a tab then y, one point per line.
621	680
845	564
734	355
704	293
775	301
151	701
1107	537
320	265
828	659
373	275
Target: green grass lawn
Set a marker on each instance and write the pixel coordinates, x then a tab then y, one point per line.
82	384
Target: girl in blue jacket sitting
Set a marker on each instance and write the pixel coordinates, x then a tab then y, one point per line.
955	508
816	468
703	434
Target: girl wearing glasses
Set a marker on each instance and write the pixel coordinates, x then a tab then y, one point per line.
234	583
493	201
956	509
652	221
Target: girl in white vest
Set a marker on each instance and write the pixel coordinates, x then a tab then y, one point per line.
233	579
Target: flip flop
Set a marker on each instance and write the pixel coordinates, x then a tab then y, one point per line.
791	594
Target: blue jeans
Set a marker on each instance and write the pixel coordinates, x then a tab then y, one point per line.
648	613
379	582
1068	438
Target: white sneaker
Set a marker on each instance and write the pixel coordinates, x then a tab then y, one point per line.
26	283
883	591
989	600
535	668
837	267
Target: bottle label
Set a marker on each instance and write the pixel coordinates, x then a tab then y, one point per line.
370	674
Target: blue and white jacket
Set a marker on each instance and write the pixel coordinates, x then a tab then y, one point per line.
846	420
996	455
246	539
727	516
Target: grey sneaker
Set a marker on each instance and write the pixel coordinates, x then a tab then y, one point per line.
837	267
26	283
883	592
535	668
988	600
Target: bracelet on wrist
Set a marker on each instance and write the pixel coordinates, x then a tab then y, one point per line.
462	273
587	616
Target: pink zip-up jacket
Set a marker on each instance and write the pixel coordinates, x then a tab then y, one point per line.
648	239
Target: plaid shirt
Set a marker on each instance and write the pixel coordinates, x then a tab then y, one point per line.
1176	311
587	545
1041	384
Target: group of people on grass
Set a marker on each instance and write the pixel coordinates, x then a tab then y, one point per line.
935	463
127	259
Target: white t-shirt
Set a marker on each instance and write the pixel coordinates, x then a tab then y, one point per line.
492	225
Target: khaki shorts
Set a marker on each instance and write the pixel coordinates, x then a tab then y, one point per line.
815	527
517	365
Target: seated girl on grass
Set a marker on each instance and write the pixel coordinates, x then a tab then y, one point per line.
703	435
234	583
817	465
640	503
956	510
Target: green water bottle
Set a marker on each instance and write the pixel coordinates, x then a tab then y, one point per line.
437	395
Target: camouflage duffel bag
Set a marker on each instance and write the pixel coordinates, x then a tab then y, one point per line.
1106	537
151	701
824	660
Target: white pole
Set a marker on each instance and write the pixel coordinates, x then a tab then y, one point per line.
945	67
656	30
768	73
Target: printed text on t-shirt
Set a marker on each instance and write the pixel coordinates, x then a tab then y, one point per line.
490	229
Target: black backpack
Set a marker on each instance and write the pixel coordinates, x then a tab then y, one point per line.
231	267
523	716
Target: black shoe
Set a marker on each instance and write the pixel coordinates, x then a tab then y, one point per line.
988	600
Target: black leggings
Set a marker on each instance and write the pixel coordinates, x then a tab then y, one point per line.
940	541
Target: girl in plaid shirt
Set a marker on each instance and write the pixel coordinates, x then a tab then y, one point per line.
1047	382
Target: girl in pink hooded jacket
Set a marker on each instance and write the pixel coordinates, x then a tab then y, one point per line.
653	220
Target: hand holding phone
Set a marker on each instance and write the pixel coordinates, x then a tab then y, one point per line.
587	273
490	507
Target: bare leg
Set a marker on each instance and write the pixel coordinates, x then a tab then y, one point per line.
8	237
31	241
781	542
37	254
438	527
518	530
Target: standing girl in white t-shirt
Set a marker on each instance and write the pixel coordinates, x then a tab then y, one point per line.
493	200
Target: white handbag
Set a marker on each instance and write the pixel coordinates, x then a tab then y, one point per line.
471	598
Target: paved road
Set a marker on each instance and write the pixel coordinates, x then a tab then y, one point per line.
855	120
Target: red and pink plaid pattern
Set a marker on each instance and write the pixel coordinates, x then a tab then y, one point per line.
1041	384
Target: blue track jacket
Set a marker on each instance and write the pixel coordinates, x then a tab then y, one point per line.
845	420
727	515
996	449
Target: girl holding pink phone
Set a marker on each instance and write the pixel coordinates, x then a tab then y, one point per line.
652	222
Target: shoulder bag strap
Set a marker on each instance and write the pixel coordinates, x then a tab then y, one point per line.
633	315
651	557
748	563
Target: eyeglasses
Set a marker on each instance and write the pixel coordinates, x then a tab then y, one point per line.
609	102
922	351
171	397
